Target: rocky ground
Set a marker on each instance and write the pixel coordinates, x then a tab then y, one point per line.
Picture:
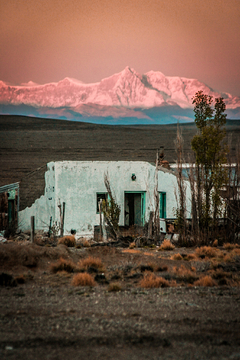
44	316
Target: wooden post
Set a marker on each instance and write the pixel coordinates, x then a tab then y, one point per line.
150	225
100	213
32	228
62	216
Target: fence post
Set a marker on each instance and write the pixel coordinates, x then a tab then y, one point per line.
62	220
32	228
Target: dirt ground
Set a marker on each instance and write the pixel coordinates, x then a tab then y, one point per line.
43	316
29	143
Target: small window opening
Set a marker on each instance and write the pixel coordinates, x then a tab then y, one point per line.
100	196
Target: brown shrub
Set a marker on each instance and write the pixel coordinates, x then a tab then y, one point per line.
185	274
190	257
205	281
115	287
176	257
166	245
215	243
83	279
153	281
229	246
63	265
132	245
207	251
219	273
86	243
229	257
68	240
92	262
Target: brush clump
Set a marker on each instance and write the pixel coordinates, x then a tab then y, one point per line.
68	240
83	279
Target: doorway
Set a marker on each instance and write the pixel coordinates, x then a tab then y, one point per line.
134	208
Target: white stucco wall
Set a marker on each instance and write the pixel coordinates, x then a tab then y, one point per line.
44	207
77	182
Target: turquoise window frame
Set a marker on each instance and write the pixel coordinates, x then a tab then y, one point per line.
162	204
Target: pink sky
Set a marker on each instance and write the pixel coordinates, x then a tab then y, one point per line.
48	40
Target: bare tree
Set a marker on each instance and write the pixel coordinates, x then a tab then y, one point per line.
156	202
111	210
181	198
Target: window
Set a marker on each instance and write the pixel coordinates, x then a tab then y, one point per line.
162	205
101	196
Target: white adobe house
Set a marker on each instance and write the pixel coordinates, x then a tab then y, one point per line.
80	184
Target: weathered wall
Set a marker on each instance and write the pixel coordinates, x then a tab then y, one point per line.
77	183
44	207
32	187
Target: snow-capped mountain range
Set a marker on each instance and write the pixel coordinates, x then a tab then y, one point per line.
121	98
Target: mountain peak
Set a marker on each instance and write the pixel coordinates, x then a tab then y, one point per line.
127	90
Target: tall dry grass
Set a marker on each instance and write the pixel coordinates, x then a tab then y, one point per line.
152	281
68	240
166	245
91	262
63	265
83	279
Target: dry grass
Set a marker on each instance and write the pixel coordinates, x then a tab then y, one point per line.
207	251
184	274
215	243
176	257
68	240
115	287
205	281
148	254
229	257
131	251
63	265
83	279
229	246
91	262
86	243
152	281
132	245
166	245
190	257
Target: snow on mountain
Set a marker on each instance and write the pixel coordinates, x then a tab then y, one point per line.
124	94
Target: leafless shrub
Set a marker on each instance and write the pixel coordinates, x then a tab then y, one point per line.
176	257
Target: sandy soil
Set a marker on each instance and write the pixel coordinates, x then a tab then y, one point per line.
46	317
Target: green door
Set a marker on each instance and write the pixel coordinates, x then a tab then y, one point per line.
162	201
